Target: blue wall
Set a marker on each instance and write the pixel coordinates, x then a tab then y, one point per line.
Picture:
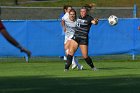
45	38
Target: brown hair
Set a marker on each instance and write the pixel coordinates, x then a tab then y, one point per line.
66	7
85	7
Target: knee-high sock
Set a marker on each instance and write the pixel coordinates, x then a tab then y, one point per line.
68	62
65	57
75	61
89	62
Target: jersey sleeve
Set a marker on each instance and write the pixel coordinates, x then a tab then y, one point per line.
65	16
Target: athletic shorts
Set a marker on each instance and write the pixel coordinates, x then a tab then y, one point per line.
68	37
1	26
80	41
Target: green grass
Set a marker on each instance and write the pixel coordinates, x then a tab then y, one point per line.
49	77
61	3
83	2
99	3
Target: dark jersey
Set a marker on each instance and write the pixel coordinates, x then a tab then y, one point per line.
1	26
83	27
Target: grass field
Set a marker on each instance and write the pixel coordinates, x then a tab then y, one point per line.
60	3
49	77
99	3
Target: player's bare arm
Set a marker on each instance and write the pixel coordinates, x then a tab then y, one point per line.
63	25
11	40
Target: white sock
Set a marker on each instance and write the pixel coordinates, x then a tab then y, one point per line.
75	61
65	58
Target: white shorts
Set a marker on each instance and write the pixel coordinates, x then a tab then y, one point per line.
67	37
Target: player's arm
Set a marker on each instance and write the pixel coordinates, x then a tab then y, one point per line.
11	40
7	36
95	21
63	25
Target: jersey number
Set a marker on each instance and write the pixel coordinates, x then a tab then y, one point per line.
78	24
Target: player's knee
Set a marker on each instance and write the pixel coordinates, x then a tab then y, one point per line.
71	52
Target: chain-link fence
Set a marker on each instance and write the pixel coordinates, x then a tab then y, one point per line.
41	13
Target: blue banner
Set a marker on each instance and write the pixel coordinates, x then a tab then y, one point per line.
46	38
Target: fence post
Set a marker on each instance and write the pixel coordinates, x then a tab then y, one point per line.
134	16
135	11
16	2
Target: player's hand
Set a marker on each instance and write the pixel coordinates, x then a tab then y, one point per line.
95	21
26	51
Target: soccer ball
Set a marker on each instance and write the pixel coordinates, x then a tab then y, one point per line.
113	20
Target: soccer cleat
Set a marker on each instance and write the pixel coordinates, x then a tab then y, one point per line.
94	69
26	51
80	68
65	70
74	66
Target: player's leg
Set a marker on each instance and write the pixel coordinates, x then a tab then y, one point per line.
84	51
74	60
75	63
72	48
66	46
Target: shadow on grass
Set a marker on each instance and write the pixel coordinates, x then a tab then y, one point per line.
118	84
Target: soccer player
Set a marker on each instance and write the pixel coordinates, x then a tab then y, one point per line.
68	24
80	38
11	40
66	9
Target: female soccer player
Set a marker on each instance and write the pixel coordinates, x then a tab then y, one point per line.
11	40
69	23
80	38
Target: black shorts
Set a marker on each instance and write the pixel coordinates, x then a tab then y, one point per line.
80	41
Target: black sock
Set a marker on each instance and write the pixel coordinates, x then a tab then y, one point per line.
89	62
68	62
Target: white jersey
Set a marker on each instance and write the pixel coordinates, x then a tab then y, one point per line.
70	27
